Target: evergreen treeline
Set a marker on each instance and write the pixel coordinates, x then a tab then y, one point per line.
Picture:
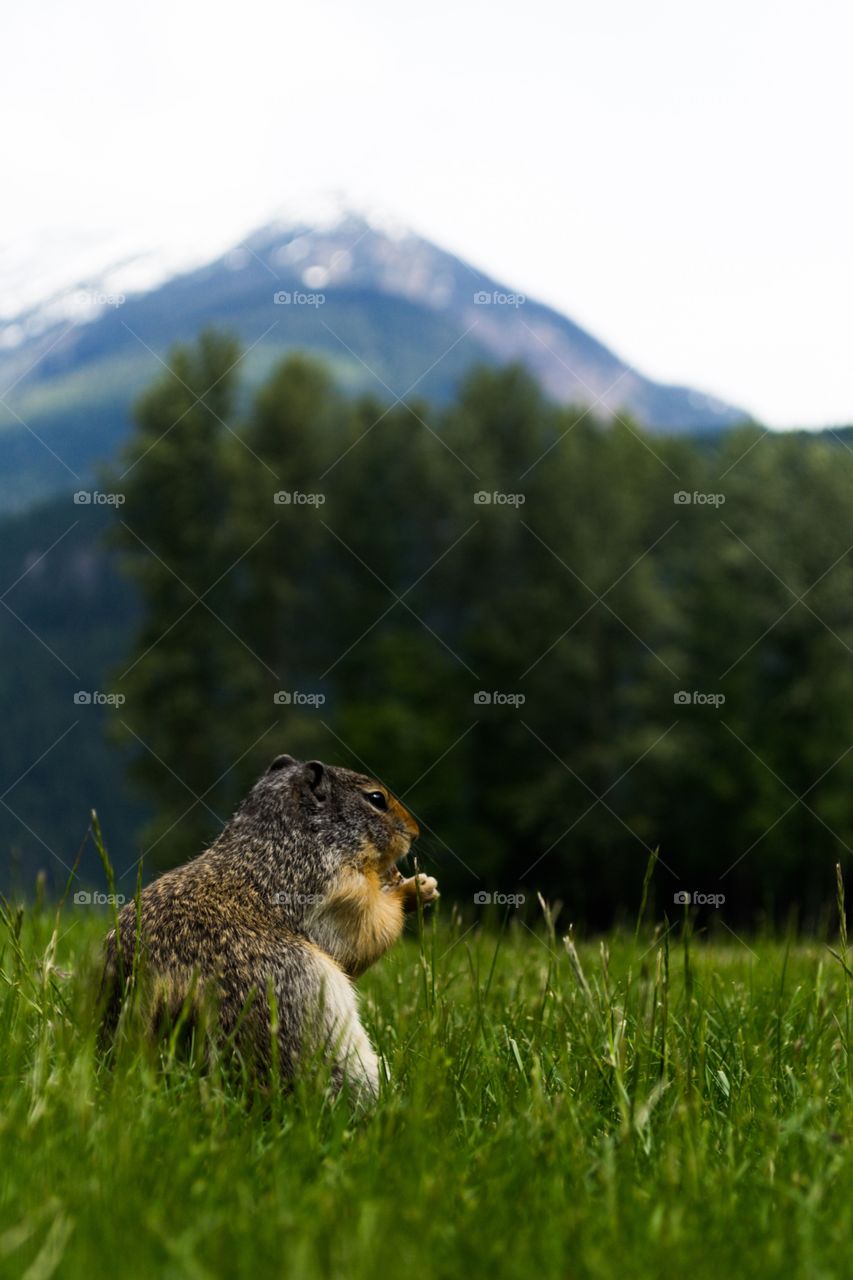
380	581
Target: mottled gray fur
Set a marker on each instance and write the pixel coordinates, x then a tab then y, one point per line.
298	895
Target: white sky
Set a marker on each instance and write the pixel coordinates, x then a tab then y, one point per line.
676	177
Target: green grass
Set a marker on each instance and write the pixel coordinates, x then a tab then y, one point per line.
673	1106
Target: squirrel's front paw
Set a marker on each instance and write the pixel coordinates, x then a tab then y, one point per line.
420	886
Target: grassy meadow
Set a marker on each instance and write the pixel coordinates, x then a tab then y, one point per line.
668	1105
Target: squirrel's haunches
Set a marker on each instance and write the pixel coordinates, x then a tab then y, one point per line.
298	895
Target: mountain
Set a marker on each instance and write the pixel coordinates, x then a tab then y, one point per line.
392	313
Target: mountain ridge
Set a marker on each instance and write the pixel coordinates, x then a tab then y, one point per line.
388	309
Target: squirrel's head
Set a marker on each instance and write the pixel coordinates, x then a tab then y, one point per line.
336	814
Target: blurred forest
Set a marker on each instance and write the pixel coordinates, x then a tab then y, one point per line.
562	642
341	579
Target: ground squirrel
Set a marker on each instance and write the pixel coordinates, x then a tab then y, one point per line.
298	895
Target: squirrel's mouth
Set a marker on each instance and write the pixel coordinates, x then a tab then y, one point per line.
388	870
385	859
400	847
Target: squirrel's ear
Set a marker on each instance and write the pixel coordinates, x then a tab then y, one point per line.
281	762
314	773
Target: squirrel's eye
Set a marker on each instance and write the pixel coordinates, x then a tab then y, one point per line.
377	799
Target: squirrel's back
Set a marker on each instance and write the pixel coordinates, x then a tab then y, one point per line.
298	894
